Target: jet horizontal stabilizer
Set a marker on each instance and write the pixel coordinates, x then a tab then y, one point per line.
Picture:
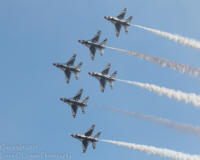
101	52
83	110
93	145
129	19
85	100
79	65
97	135
114	74
103	42
76	75
111	84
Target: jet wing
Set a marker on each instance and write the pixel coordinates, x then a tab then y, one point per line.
102	84
106	69
71	61
117	29
122	14
67	75
89	132
96	37
74	110
78	95
85	145
92	52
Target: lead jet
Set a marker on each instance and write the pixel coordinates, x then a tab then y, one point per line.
94	44
86	138
69	68
75	102
119	21
104	77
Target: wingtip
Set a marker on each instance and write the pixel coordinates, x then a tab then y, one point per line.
74	55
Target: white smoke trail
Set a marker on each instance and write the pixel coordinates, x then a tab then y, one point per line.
170	93
182	68
155	151
178	126
176	38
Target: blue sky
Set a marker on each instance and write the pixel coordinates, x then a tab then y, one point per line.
34	34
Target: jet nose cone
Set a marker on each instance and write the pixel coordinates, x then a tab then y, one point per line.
72	135
62	99
54	64
106	17
90	73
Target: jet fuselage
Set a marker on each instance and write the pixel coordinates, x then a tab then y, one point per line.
116	20
90	43
65	67
83	137
72	101
100	75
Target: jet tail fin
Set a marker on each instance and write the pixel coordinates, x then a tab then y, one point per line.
85	100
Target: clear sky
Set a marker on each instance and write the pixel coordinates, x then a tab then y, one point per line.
36	33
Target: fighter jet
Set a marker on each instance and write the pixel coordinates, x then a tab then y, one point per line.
94	44
104	77
69	68
75	102
86	138
119	21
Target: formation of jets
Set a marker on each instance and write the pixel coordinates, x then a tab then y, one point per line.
68	68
